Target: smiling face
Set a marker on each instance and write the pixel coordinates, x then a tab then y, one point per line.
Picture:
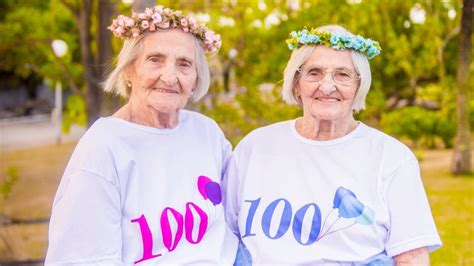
325	99
164	74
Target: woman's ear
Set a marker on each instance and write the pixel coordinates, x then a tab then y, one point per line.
297	91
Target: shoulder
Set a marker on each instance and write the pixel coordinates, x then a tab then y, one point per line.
265	135
199	120
98	134
392	147
392	153
94	151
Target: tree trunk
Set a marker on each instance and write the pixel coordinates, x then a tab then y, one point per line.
107	10
94	93
461	163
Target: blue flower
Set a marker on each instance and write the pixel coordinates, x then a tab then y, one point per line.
358	43
372	52
344	38
313	38
367	47
334	39
369	43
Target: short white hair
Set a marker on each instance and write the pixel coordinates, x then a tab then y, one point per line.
302	54
116	82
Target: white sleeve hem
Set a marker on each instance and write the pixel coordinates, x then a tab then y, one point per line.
108	260
431	242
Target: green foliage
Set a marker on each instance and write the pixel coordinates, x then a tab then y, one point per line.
418	61
10	180
75	112
419	124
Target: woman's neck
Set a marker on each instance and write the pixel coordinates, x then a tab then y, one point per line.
318	129
147	116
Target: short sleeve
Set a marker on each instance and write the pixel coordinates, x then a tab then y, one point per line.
85	226
411	222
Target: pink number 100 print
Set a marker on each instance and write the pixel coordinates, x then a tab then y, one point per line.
171	241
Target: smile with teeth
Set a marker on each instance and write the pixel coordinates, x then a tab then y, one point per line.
327	99
163	90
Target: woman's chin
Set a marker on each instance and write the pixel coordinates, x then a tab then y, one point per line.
166	104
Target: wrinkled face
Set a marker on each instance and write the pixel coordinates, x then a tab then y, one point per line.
327	84
164	74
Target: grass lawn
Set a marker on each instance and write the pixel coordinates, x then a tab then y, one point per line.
39	171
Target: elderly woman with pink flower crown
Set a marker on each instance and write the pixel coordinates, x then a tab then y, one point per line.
143	186
324	188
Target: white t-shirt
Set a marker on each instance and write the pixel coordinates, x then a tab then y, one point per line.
348	200
133	194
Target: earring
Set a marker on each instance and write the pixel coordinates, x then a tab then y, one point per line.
192	93
129	84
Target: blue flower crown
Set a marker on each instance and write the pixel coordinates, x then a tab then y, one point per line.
358	43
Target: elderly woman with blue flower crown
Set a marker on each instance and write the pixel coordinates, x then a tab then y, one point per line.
143	186
326	189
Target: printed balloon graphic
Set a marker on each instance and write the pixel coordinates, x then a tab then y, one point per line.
202	182
367	216
341	192
213	191
350	207
209	189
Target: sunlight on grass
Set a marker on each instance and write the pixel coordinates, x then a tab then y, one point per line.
451	199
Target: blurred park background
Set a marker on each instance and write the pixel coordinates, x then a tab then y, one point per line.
55	53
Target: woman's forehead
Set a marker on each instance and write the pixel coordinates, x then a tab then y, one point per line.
170	42
328	57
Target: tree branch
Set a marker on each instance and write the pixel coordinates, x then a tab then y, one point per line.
74	10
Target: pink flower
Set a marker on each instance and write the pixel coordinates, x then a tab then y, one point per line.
145	24
167	11
119	30
130	22
157	18
184	22
148	12
142	16
158	8
121	21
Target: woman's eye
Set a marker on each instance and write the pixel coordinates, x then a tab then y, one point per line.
315	73
154	59
185	65
342	74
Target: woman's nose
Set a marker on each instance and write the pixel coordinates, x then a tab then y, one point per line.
168	75
327	84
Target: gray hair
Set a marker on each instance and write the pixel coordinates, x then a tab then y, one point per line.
116	83
299	57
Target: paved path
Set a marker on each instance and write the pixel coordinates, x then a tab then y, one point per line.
35	131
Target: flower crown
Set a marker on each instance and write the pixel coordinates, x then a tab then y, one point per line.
358	43
159	17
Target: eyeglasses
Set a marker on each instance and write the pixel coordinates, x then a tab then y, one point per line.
342	77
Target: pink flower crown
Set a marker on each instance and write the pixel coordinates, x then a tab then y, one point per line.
159	17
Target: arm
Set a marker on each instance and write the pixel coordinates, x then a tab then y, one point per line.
419	256
412	232
85	226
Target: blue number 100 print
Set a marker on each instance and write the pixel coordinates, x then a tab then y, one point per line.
285	221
